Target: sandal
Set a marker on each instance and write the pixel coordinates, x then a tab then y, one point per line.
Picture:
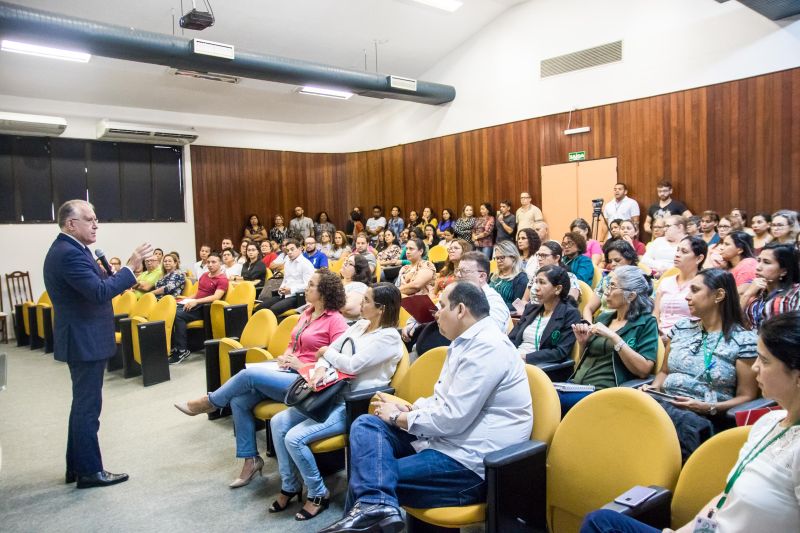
321	502
277	508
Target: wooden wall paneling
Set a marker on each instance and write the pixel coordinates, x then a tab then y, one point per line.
472	168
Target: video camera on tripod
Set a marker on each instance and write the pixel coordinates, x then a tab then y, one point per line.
597	214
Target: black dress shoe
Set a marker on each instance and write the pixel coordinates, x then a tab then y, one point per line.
70	477
369	518
100	479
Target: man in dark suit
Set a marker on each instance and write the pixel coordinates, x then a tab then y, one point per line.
84	332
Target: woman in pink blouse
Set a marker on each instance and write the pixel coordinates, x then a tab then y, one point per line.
736	249
483	230
594	250
671	304
318	326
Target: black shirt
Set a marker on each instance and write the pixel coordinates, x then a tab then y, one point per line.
674	207
511	221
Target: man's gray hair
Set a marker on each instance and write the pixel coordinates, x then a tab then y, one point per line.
472	296
632	280
69	209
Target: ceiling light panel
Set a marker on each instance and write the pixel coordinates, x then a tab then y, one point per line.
444	5
328	93
44	51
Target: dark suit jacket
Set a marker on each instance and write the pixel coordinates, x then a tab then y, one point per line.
557	339
81	296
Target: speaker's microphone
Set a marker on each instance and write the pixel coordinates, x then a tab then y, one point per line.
102	257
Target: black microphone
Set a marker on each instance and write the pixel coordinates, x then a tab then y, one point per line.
102	257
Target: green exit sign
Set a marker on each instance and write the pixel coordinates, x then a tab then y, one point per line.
577	156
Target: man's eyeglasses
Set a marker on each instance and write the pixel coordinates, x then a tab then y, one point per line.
466	272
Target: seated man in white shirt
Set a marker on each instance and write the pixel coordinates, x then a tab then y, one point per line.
430	453
297	272
660	255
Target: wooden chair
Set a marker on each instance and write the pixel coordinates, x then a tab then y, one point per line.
18	284
3	319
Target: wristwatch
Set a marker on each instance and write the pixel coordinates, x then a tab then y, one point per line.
712	409
393	417
619	345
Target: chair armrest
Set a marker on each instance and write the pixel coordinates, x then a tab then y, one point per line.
654	511
560	371
758	403
516	487
237	358
366	394
357	403
636	383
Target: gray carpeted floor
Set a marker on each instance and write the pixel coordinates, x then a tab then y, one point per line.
179	466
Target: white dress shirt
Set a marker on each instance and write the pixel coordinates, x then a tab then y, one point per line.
297	274
625	209
498	310
481	402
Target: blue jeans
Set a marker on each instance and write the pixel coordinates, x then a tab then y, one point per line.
385	469
569	399
607	521
243	391
292	432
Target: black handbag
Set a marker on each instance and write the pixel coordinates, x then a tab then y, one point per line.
316	405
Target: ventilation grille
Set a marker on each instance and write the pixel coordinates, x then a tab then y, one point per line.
774	9
591	57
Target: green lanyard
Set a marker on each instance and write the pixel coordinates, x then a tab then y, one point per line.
708	354
749	458
536	337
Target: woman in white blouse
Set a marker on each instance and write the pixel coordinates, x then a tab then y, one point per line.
370	349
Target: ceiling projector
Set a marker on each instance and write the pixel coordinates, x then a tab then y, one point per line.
197	20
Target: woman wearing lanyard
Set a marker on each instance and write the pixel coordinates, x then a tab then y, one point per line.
318	326
707	367
761	493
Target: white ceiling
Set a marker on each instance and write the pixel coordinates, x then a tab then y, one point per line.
413	38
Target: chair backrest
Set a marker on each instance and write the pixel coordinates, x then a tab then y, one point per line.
18	284
492	267
403	318
243	293
144	305
335	265
422	375
123	303
586	295
546	405
259	329
598	275
282	336
437	254
402	368
189	288
43	302
165	310
705	472
377	272
610	441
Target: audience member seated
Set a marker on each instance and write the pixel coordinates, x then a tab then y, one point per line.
313	254
242	259
736	250
660	255
594	249
417	277
510	280
362	248
528	243
739	221
210	288
447	274
707	364
146	281
776	287
413	219
254	269
449	236
390	255
672	292
200	268
505	223
340	247
617	253
430	238
323	224
430	453
574	246
550	254
268	254
483	230
158	253
762	489
227	244
622	344
301	227
375	224
693	226
356	278
369	350
297	272
544	331
173	281
445	223
278	232
319	326
708	227
714	259
614	231
278	263
396	222
230	266
630	234
325	243
428	216
760	223
254	231
784	226
464	225
658	229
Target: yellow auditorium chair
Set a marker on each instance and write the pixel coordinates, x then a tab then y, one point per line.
561	371
492	267
403	318
227	356
336	265
122	305
29	323
437	254
586	296
508	474
610	441
123	358
151	341
44	323
189	288
378	270
703	476
598	275
229	316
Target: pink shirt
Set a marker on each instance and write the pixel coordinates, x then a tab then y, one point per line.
745	271
593	248
673	305
314	334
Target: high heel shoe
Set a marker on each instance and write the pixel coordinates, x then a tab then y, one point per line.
321	503
196	407
277	507
258	464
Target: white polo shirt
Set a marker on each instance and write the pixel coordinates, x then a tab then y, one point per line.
625	209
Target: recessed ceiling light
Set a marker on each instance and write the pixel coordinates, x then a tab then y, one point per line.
444	5
328	93
44	51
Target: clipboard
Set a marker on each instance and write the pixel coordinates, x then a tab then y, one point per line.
421	307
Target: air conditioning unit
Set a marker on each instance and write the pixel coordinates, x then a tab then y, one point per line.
35	125
108	130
